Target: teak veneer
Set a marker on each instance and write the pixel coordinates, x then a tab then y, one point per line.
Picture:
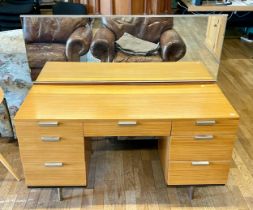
76	72
196	124
126	102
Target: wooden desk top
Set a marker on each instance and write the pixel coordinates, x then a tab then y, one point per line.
80	73
109	102
1	95
237	5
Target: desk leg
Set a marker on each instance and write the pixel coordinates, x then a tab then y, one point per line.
9	117
59	192
191	192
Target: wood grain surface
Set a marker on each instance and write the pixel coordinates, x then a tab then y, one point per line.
187	148
142	128
146	102
184	173
69	151
164	154
72	173
65	129
189	127
98	72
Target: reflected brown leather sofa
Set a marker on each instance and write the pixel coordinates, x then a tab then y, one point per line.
55	39
153	29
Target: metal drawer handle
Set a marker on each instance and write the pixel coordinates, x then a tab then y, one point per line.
203	137
49	124
50	138
205	122
53	164
127	123
200	163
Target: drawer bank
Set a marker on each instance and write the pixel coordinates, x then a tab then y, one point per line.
195	147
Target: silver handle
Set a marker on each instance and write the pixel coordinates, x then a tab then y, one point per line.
49	124
127	123
203	137
200	163
205	122
53	164
50	138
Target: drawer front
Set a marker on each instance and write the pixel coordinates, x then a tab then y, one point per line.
194	127
38	129
54	174
127	128
52	151
190	173
201	147
37	145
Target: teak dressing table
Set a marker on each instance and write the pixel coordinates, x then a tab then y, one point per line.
195	121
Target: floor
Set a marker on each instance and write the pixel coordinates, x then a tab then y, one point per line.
126	177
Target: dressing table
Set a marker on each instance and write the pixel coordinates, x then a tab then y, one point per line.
178	102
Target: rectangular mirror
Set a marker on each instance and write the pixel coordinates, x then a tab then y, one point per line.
175	39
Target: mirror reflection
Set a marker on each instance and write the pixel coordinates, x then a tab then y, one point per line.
124	39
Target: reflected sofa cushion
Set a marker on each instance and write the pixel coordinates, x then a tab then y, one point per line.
39	53
55	39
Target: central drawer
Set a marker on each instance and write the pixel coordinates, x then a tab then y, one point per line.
127	128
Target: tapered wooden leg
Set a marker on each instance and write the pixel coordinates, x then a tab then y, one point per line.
59	192
8	167
191	192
